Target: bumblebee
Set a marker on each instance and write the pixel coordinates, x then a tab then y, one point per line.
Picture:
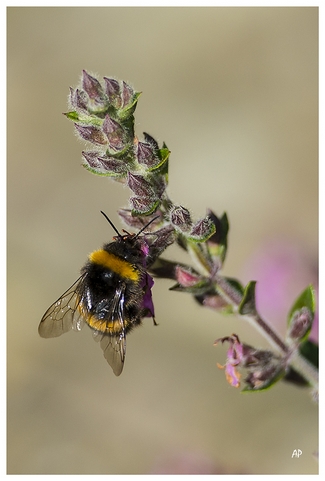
112	295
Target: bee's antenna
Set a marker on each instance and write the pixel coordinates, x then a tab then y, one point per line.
143	228
117	232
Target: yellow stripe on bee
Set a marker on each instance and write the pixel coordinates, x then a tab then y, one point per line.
115	264
111	327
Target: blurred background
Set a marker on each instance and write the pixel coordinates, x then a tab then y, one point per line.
234	94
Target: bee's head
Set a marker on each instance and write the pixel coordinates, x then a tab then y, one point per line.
131	247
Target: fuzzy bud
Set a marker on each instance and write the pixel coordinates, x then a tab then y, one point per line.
180	218
127	94
143	205
264	367
186	278
262	378
92	87
113	92
214	301
150	140
104	165
159	241
91	134
300	324
139	185
140	222
78	100
114	132
146	155
202	230
91	160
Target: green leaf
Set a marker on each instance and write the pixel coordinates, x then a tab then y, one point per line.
164	268
217	244
224	228
84	120
164	151
309	350
235	284
247	305
306	299
73	115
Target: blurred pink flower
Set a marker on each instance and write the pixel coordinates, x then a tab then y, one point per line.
282	269
185	462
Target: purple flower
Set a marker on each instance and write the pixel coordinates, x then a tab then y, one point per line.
263	367
235	356
147	302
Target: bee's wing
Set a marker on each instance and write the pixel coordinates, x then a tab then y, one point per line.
114	346
114	351
63	314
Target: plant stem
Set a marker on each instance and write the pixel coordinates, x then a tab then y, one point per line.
305	369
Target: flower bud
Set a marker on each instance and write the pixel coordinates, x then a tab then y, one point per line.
262	378
214	301
139	185
104	165
180	218
300	324
256	358
150	140
202	230
91	134
78	100
159	241
127	94
146	155
139	222
92	87
186	278
113	165
113	92
91	159
144	205
264	368
114	132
